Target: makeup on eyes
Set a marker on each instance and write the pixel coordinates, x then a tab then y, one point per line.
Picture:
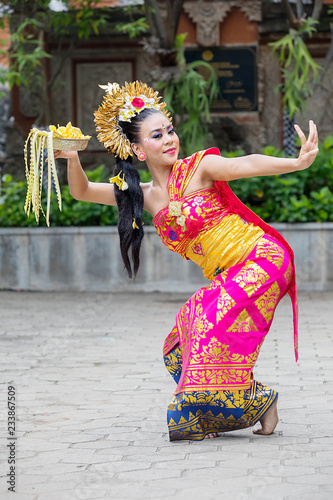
156	132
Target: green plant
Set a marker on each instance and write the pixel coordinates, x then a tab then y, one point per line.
299	69
188	95
26	54
137	25
305	196
74	212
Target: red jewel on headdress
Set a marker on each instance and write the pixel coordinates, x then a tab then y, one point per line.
138	103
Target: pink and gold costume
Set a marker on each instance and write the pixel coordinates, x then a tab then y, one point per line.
214	345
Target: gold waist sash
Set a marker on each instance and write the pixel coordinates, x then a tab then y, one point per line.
220	247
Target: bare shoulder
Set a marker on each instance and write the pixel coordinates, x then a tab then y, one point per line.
211	160
213	167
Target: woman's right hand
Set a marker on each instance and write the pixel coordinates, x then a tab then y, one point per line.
309	149
67	155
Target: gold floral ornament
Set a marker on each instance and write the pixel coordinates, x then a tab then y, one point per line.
34	146
120	181
122	104
175	210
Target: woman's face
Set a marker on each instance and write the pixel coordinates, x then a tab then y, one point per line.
158	140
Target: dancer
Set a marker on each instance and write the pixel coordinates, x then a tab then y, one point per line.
212	350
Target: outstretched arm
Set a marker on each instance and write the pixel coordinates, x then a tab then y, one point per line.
79	185
216	168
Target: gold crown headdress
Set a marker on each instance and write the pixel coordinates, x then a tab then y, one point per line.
122	104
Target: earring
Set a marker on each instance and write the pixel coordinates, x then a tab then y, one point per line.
142	156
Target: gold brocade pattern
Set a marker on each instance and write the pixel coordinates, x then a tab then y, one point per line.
200	327
224	304
216	352
251	277
222	326
192	415
289	274
243	323
199	227
170	341
268	301
271	252
223	246
215	365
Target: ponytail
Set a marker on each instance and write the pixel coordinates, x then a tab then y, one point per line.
130	207
130	201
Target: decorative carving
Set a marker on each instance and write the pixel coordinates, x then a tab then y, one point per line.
208	16
252	10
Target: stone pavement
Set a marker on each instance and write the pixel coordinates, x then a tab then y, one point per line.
92	393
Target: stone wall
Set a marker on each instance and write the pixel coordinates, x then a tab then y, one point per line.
112	57
88	259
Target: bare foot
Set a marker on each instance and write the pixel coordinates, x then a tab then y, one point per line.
269	421
211	435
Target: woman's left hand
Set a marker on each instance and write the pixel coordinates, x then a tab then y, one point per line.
309	149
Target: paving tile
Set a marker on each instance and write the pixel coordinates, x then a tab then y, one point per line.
92	420
315	479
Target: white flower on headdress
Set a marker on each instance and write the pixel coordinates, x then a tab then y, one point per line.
126	114
134	106
110	87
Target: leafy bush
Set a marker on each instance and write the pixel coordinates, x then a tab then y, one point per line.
74	212
305	196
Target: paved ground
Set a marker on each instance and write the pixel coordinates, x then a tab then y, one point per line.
92	393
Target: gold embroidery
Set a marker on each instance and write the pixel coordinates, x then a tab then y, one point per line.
199	309
175	210
170	341
188	417
238	378
198	210
200	327
270	251
289	273
233	371
251	277
224	304
215	347
243	323
215	352
267	302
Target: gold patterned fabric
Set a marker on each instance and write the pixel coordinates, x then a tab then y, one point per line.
192	415
202	230
212	350
217	231
222	326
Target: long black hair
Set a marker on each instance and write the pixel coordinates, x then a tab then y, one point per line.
130	201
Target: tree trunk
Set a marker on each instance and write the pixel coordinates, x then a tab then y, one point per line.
164	29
